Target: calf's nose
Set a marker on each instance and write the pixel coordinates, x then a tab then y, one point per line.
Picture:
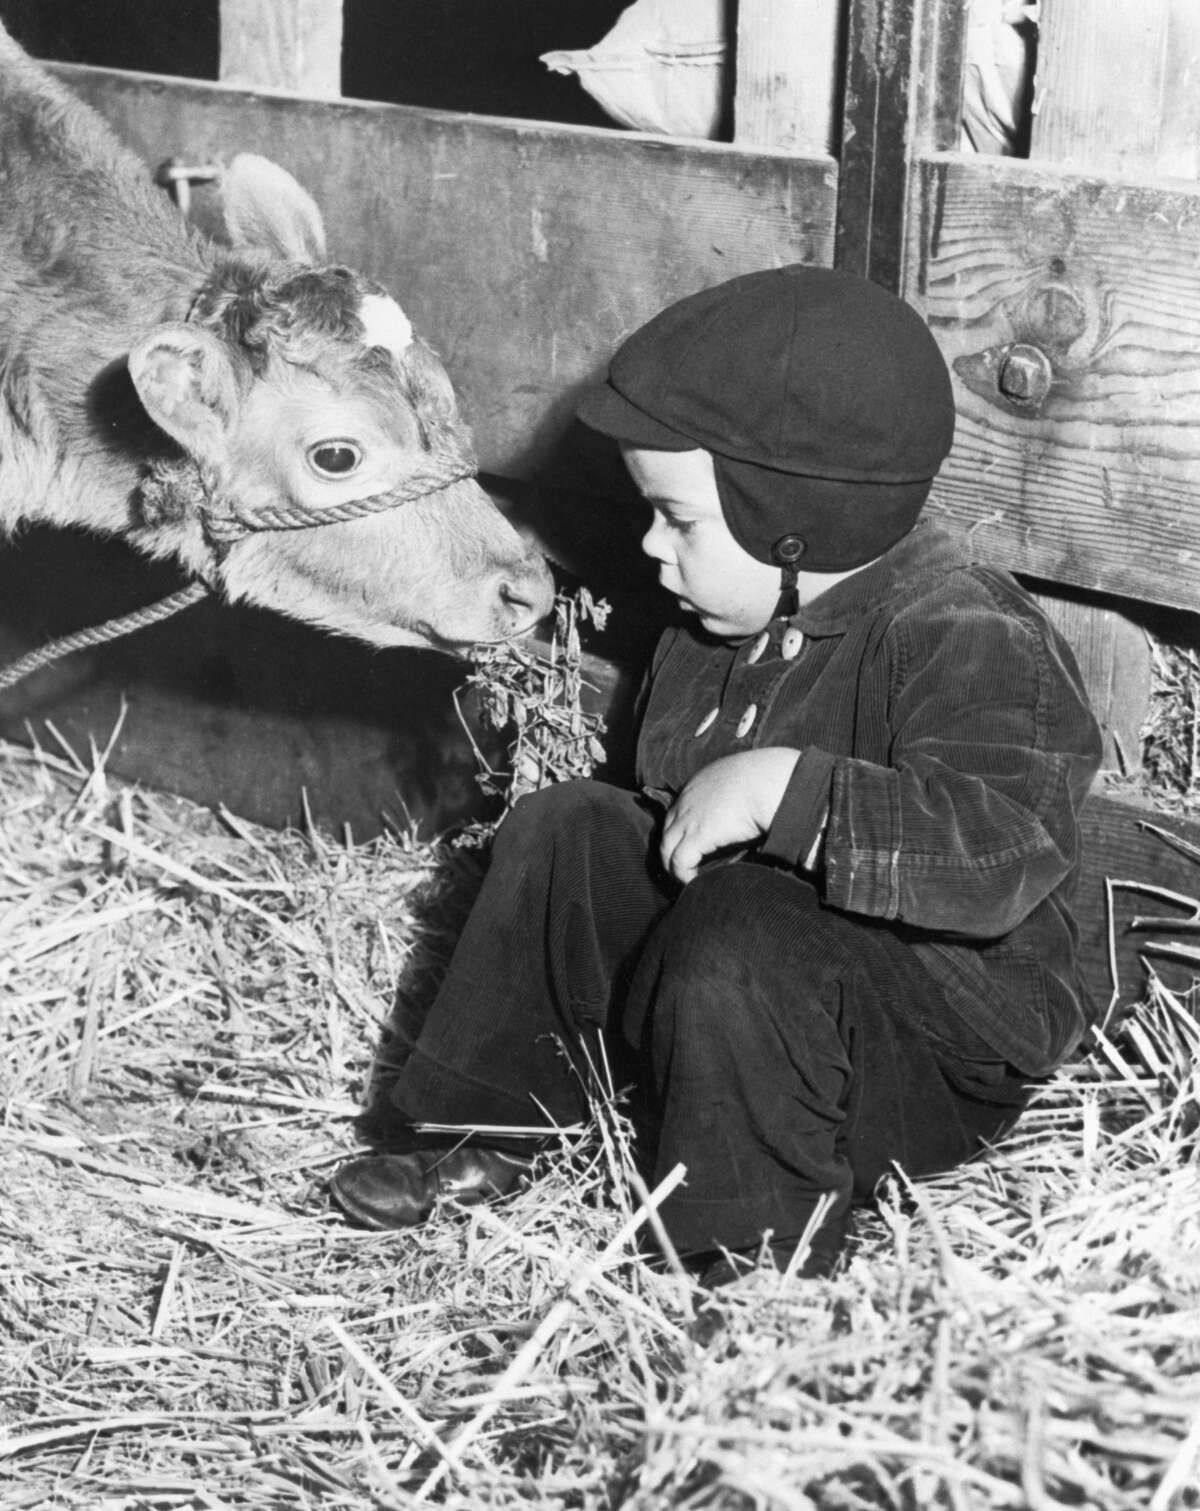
521	607
525	597
520	598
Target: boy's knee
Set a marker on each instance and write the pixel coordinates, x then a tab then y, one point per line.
729	963
740	941
570	811
740	910
562	803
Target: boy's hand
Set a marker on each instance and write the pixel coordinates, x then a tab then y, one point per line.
731	802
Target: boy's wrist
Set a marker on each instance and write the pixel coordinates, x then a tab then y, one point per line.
797	832
775	766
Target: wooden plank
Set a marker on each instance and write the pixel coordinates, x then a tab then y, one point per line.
525	252
1116	665
1116	89
1116	95
1069	309
1120	844
903	96
787	75
282	44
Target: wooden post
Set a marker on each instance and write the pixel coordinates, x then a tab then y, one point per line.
787	75
282	44
1116	87
904	73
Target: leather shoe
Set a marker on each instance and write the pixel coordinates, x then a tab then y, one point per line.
401	1190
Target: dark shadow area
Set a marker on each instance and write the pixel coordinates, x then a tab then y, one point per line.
440	919
233	705
580	504
474	55
1029	34
180	39
1177	626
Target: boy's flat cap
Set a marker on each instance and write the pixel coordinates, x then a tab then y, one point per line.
823	399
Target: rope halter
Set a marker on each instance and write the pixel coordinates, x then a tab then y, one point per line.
225	520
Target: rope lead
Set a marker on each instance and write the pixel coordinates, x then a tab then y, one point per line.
98	634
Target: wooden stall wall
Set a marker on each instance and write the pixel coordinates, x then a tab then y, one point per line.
524	252
1064	290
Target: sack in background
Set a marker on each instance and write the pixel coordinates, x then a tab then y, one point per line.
661	68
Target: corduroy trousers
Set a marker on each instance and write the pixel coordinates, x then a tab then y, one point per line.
778	1049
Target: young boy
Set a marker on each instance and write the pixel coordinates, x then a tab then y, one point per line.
832	930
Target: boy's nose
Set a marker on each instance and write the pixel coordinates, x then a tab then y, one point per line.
652	543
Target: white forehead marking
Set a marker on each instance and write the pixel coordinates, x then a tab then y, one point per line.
386	324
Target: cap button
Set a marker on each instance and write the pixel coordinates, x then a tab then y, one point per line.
788	550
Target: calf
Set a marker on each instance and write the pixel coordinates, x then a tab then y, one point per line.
217	405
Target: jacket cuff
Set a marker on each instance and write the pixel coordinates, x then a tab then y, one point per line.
795	833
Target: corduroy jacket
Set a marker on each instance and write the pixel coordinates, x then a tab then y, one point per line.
946	746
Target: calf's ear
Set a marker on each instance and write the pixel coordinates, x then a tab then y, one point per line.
188	387
265	207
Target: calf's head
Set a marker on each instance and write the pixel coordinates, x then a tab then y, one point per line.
326	471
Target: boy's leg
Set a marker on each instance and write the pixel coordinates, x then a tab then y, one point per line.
795	1051
569	898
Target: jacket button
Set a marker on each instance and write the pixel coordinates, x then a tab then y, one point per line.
789	646
707	722
756	650
746	722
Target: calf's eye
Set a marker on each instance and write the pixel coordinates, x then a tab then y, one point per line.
334	458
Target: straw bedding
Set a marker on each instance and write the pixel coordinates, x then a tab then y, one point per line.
196	1012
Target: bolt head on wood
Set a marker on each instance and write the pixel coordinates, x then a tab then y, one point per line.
1024	374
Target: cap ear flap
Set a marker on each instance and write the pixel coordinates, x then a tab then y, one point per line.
188	386
265	207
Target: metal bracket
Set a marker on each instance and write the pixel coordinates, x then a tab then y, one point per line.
177	176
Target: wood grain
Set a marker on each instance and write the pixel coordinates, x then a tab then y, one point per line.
282	44
1116	90
903	97
787	73
1116	666
1097	483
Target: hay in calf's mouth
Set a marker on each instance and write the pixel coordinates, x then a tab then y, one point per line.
537	700
191	1010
